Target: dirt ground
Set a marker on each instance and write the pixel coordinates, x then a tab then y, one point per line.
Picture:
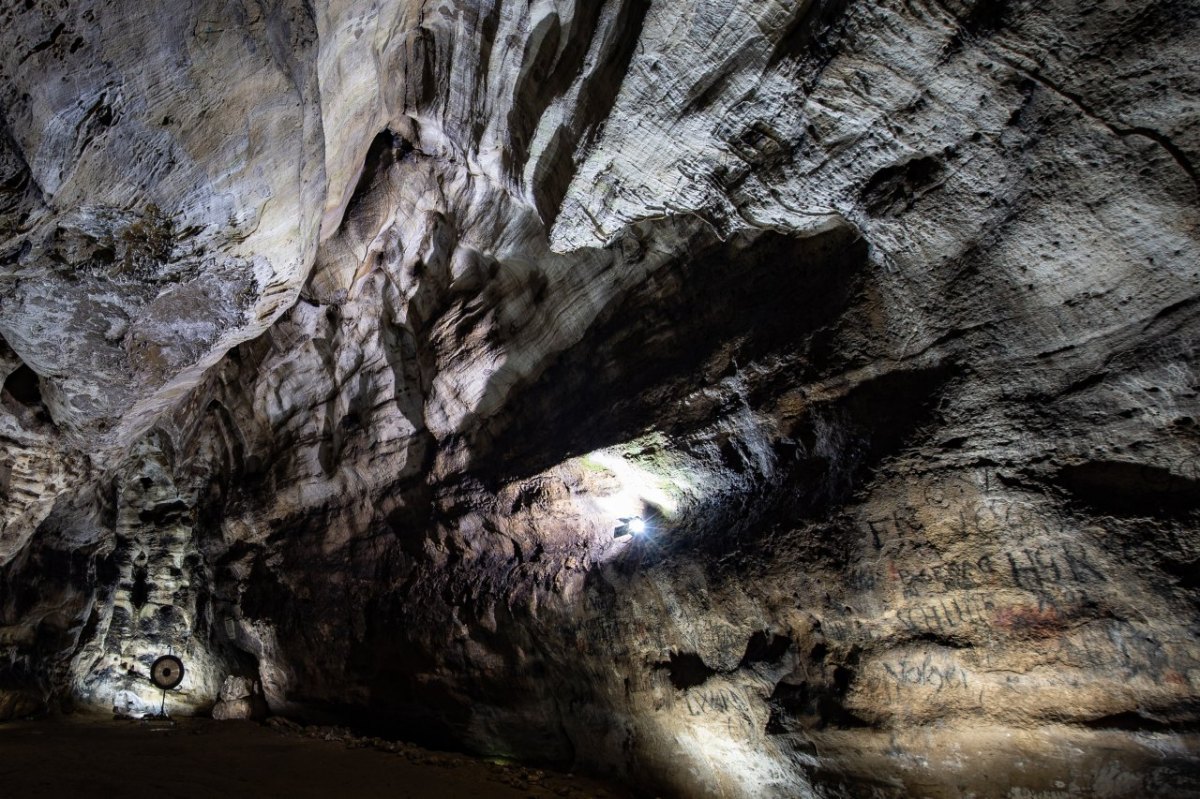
78	757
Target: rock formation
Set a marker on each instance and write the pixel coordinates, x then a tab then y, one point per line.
340	338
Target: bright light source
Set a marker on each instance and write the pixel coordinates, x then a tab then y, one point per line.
638	487
630	526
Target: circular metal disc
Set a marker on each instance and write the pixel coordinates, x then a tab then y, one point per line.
167	672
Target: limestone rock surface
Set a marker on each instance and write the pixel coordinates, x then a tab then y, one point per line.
341	339
241	698
236	687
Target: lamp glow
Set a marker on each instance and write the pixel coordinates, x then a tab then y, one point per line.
637	525
637	486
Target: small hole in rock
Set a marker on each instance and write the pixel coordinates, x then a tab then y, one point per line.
22	386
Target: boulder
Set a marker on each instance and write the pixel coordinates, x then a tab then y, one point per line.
233	710
236	687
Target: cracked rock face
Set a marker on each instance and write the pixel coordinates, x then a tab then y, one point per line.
343	341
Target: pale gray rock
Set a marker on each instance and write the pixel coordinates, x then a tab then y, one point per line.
236	687
342	338
164	175
241	699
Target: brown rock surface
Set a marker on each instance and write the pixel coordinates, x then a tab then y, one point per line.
341	339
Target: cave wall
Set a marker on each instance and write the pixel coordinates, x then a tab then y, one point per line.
341	337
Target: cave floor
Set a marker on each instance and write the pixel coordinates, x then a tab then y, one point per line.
74	757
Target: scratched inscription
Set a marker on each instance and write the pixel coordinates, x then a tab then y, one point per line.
926	673
946	614
947	575
702	702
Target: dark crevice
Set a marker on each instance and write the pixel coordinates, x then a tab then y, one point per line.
985	16
764	648
23	387
1138	721
983	19
809	35
387	148
1130	489
1084	383
140	592
1173	309
800	705
22	397
896	188
948	640
1187	572
686	670
1177	154
44	45
165	513
1172	149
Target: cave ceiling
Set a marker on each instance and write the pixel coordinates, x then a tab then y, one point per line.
740	398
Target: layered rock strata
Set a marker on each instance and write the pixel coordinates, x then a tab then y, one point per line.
342	338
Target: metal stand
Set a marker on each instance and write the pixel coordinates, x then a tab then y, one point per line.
166	673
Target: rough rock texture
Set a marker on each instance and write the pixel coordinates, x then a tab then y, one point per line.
237	688
241	698
883	315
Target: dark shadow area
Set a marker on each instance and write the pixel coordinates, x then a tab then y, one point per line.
22	386
22	397
895	189
797	704
686	670
687	327
549	77
243	760
839	443
1130	489
762	648
1184	719
810	36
